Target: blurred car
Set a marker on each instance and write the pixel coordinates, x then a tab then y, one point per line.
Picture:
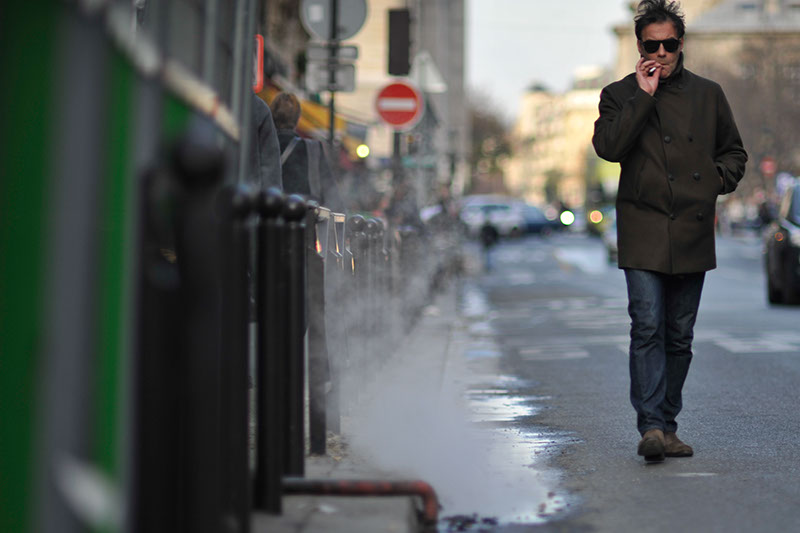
537	222
782	250
503	213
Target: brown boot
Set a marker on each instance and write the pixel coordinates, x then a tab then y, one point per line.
651	447
674	447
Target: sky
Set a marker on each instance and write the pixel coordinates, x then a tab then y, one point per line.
513	43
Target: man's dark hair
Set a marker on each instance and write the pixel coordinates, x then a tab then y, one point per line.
285	109
652	11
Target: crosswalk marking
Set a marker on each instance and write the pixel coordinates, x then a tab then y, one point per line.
755	345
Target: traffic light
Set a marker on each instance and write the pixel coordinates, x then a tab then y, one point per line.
399	42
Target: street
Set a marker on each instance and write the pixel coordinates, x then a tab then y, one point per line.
546	341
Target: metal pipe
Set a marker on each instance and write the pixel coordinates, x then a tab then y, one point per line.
361	487
332	64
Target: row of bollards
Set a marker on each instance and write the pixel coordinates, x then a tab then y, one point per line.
333	295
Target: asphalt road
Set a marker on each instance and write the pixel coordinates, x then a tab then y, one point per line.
555	312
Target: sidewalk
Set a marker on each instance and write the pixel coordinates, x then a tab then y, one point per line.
428	344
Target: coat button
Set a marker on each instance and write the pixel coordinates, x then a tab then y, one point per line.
696	176
672	216
691	137
700	216
670	177
667	139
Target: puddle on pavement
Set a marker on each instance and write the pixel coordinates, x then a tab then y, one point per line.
517	489
497	406
516	486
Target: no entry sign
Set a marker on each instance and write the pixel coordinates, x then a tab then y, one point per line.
400	105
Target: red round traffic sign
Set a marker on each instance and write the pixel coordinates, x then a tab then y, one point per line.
400	105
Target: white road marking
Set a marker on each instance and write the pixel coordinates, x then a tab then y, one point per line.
759	345
553	354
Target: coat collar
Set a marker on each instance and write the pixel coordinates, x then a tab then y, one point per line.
677	79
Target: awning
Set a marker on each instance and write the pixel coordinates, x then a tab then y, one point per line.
314	122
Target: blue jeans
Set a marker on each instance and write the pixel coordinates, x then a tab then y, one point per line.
663	310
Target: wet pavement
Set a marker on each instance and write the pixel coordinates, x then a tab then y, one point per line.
549	322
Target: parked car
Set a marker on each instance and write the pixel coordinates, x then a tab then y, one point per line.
782	250
503	213
537	222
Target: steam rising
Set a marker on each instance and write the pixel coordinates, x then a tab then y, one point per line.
415	418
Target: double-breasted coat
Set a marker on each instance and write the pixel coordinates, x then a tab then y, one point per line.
673	148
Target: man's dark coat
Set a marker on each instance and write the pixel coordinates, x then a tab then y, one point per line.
673	148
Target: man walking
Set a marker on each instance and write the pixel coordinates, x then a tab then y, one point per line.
676	140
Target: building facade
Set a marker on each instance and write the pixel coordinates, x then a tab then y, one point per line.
761	79
551	142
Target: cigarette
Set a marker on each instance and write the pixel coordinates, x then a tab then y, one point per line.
652	70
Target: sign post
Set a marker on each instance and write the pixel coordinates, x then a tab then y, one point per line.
332	21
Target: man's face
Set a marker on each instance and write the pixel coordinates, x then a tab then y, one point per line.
661	31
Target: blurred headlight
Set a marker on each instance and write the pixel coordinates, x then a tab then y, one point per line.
567	218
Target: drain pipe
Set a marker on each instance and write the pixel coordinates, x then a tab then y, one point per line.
357	487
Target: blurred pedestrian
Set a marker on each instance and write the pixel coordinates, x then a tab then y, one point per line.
674	134
265	157
403	209
304	163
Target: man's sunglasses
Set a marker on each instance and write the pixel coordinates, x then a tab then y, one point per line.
670	45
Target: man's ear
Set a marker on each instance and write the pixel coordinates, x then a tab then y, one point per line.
641	48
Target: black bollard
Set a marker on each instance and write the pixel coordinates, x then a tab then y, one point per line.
158	384
236	205
382	293
294	255
374	346
318	362
408	276
199	163
357	290
335	278
271	387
